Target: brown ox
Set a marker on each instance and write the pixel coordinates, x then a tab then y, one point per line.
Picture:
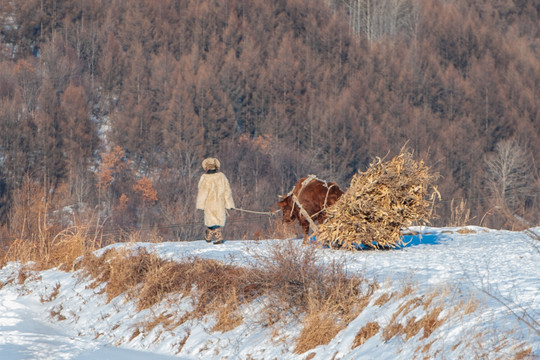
307	203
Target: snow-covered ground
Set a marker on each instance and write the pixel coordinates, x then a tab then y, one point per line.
56	315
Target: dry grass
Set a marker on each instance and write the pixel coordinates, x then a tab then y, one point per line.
227	315
148	279
366	333
39	237
460	214
45	251
429	322
216	288
466	231
468	307
164	319
379	203
291	279
281	230
523	352
56	313
383	299
55	292
327	316
319	328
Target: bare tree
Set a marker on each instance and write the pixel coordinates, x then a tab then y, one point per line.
382	18
509	174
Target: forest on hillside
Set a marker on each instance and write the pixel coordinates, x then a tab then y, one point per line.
108	107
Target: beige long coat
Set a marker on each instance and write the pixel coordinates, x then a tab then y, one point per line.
214	196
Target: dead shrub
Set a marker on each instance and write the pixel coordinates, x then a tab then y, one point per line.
94	266
30	207
296	282
412	327
69	245
56	313
293	277
30	226
124	273
161	279
25	273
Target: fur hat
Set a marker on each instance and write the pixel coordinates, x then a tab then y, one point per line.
210	164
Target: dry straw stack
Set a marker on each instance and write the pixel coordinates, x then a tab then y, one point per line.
380	202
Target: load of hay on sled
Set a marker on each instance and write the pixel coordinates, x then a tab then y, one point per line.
379	204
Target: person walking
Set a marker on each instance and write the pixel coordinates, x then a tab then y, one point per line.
214	197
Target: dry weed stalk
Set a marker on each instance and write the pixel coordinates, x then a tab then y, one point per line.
379	203
460	213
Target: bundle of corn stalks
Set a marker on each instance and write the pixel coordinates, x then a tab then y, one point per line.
380	203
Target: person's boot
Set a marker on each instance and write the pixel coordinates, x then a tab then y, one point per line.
219	236
208	235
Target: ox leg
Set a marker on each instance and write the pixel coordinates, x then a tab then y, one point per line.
305	240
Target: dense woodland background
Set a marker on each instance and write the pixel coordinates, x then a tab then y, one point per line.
108	107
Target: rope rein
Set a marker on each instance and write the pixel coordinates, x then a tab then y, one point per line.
269	213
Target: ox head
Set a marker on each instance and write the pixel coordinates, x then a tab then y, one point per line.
286	205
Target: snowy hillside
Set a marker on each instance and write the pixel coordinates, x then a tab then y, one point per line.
479	288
